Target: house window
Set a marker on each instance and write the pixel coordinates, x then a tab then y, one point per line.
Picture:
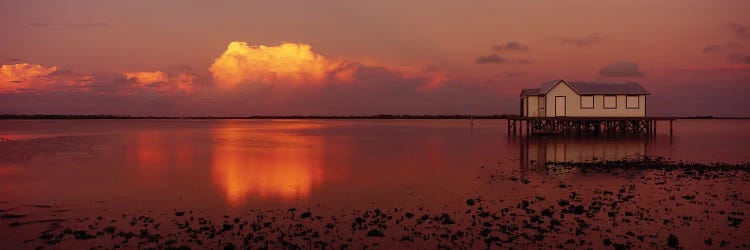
610	101
541	102
587	101
632	102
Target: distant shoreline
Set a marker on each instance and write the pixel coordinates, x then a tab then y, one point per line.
293	117
258	117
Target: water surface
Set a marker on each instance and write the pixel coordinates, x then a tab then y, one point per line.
220	167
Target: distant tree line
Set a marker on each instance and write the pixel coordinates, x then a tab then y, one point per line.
381	116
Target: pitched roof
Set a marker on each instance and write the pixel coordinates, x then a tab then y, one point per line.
608	88
591	88
547	86
528	92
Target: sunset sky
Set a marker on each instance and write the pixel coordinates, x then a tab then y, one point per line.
188	57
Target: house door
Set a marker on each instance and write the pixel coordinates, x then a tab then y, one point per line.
560	106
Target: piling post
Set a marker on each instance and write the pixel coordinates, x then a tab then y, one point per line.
527	127
651	128
508	126
670	127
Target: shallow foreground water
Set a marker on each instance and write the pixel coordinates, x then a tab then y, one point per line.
382	183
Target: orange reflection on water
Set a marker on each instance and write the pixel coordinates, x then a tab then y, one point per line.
151	151
265	164
155	151
10	170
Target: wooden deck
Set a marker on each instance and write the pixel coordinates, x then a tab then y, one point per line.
586	125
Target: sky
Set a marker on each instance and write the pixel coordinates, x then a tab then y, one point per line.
326	57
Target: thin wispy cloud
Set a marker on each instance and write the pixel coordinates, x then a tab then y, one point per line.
721	47
737	58
621	69
492	58
511	46
523	61
582	41
740	30
65	24
725	67
508	47
184	67
497	59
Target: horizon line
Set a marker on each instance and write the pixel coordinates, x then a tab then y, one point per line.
299	117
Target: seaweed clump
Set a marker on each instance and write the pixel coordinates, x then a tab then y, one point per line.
643	162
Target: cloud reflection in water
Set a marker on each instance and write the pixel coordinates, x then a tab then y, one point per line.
264	164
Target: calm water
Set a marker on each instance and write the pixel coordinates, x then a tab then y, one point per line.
112	167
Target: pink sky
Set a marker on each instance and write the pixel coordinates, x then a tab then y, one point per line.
364	57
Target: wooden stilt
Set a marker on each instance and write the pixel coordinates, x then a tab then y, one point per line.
670	127
528	128
587	126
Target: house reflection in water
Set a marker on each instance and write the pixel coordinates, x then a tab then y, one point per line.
268	165
537	150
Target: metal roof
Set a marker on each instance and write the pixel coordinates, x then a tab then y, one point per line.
591	88
608	88
528	92
547	86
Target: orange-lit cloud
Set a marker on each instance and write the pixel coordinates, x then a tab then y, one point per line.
289	63
161	82
24	76
298	64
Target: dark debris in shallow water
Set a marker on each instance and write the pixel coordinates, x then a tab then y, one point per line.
580	218
642	162
12	216
16	224
533	222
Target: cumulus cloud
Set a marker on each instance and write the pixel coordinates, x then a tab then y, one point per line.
288	63
23	72
621	69
491	58
582	42
511	46
160	82
24	77
296	64
740	30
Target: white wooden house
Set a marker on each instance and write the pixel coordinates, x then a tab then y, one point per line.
560	98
